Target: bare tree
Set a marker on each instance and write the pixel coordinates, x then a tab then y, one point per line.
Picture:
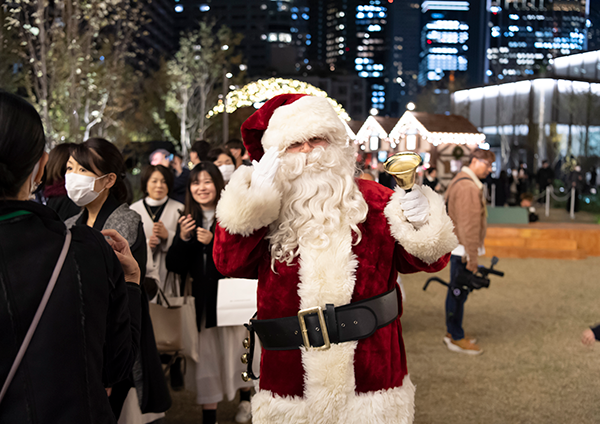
204	56
73	54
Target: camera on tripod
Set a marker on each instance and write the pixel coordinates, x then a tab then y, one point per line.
468	281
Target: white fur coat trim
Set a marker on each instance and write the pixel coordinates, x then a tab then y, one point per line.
392	406
432	240
242	209
328	275
306	118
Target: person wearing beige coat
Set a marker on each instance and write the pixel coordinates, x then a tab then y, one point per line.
467	209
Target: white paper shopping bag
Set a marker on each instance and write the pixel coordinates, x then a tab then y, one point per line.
236	301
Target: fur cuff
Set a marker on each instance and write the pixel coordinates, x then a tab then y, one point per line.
243	210
432	240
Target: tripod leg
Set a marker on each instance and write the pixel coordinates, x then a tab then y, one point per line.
439	280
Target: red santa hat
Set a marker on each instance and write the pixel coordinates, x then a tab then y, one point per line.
291	118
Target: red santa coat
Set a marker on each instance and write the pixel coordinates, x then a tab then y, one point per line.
353	382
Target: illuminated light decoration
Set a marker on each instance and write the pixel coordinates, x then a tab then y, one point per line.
371	128
257	92
408	124
179	8
444	5
204	8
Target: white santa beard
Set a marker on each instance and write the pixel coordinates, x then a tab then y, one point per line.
319	197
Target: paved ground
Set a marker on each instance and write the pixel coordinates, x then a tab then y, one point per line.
534	369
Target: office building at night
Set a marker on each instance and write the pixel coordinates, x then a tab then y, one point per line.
404	44
452	41
275	32
524	36
161	32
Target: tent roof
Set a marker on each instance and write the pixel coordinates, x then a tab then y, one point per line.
445	123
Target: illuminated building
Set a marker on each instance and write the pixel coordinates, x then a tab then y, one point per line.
584	66
525	35
350	37
404	43
593	26
525	121
452	41
275	32
159	37
437	138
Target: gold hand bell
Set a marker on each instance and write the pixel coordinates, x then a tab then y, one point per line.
403	167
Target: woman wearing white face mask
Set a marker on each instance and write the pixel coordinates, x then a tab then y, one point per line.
224	160
95	181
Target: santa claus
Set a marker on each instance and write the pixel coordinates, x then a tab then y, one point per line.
326	249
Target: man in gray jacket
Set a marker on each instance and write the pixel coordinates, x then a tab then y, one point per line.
467	209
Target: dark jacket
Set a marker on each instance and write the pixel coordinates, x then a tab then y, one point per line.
180	186
58	200
188	257
148	374
545	177
88	336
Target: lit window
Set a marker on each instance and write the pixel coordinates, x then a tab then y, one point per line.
411	141
285	38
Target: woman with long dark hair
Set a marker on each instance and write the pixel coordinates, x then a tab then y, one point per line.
88	334
95	180
217	374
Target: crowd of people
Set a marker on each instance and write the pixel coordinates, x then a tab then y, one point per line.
98	315
327	249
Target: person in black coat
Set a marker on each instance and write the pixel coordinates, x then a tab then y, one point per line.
191	255
502	189
95	180
545	176
88	336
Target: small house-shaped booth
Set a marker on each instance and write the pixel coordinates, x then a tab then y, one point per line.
443	141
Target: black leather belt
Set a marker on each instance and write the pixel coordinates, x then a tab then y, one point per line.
316	329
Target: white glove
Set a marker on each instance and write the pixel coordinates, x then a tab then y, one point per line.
415	206
265	170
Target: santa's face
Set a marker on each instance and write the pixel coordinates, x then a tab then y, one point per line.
308	146
318	197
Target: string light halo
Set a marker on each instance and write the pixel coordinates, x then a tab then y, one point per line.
257	92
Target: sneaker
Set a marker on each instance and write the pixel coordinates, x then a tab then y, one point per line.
463	346
244	412
470	338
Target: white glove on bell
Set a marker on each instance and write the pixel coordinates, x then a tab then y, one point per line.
415	206
265	170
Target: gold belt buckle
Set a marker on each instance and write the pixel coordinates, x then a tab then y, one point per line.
319	311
